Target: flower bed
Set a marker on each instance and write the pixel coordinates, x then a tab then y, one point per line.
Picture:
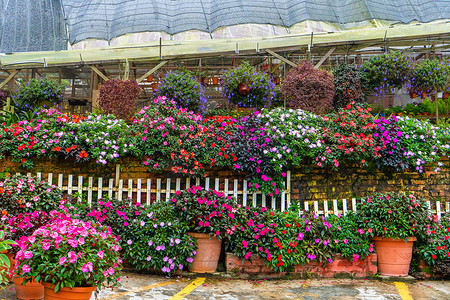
341	267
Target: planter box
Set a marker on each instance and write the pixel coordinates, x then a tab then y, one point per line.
341	267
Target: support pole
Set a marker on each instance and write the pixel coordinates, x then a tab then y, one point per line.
152	71
11	76
324	58
280	57
94	68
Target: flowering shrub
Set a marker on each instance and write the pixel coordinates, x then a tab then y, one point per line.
70	253
308	88
206	211
178	138
392	215
183	88
348	137
260	84
22	194
430	75
118	97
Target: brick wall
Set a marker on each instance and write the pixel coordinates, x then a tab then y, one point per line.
318	184
341	267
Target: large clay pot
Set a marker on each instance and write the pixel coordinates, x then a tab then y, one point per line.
208	253
394	255
31	291
77	293
445	95
215	80
244	89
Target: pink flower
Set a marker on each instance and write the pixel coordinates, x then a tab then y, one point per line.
26	269
87	267
355	257
45	246
28	254
110	271
100	254
62	260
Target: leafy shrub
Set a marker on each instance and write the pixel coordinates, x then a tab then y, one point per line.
118	97
183	88
261	87
40	92
348	84
384	72
308	88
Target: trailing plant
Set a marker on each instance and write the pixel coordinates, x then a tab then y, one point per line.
183	88
308	88
118	97
40	92
261	87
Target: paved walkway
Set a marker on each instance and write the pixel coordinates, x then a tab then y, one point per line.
143	287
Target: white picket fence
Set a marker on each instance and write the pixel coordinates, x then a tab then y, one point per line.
162	189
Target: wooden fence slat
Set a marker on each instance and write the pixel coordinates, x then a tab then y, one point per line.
80	187
438	208
288	188
354	204
69	184
60	181
217	184
168	185
197	181
188	183
306	205
149	191
325	208
335	207
139	190
244	193
50	178
263	201
110	188
158	189
274	203
120	190
283	201
90	186
235	188
178	184
344	206
207	183
39	176
316	207
254	203
225	187
100	187
130	188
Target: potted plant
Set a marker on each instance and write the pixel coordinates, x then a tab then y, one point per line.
393	220
244	87
70	256
20	227
41	92
208	212
118	97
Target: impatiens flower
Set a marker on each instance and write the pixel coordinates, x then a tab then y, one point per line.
62	260
26	269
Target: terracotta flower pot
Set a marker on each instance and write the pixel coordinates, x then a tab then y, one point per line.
31	291
244	89
208	252
394	255
215	80
77	293
150	78
445	95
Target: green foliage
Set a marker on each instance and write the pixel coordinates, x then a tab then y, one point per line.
5	264
386	71
261	87
349	85
118	97
183	88
308	88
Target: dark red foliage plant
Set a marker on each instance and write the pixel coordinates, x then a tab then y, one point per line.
309	89
118	97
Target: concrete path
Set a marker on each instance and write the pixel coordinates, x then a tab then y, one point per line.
142	287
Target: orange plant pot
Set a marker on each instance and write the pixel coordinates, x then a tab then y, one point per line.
208	253
394	255
77	293
215	80
31	291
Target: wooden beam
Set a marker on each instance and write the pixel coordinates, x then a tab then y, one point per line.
281	57
324	58
152	71
94	68
11	76
126	76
